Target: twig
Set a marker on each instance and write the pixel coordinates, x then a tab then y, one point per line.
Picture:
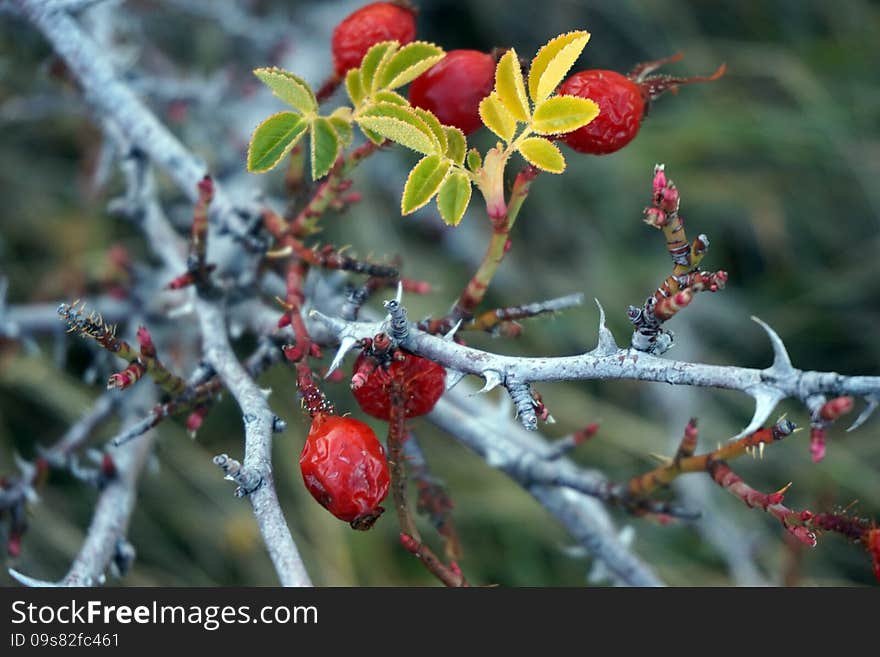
607	361
115	101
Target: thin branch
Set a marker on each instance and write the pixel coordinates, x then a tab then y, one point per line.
768	386
258	426
582	516
117	104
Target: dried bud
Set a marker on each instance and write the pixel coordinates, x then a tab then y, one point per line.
656	217
835	408
817	444
583	435
409	543
659	178
108	466
668	199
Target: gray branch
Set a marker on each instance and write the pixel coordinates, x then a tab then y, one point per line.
110	519
607	361
116	103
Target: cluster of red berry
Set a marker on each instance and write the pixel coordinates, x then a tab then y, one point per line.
343	464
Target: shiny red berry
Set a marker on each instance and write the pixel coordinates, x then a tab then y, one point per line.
453	88
344	468
369	25
423	379
621	109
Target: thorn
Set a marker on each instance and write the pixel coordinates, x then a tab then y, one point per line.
493	380
399	296
606	344
766	398
761	450
873	402
661	458
345	345
453	377
784	489
450	334
26	580
781	360
279	253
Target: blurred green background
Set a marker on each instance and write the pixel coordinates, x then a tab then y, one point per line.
778	163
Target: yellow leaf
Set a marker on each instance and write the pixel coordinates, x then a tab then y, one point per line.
354	87
563	114
553	61
510	87
543	154
423	182
495	116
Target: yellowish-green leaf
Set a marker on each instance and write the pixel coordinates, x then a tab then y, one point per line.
392	97
553	61
408	63
423	182
325	147
456	144
354	86
474	160
373	62
273	139
288	87
510	87
543	154
496	117
434	126
453	197
373	136
563	114
399	124
341	121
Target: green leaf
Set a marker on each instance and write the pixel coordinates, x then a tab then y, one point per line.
291	89
453	197
510	87
553	61
543	154
434	126
423	182
563	114
273	139
408	63
354	87
496	117
392	97
373	62
456	144
474	160
399	124
341	121
325	147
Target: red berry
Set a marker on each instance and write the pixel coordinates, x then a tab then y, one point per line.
621	109
369	25
453	88
423	379
344	468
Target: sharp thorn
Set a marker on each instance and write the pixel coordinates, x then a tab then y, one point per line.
766	398
453	377
450	334
781	360
345	345
606	344
873	402
26	580
493	380
399	296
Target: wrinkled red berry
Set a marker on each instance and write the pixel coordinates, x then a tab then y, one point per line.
621	109
423	379
453	88
344	468
369	25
